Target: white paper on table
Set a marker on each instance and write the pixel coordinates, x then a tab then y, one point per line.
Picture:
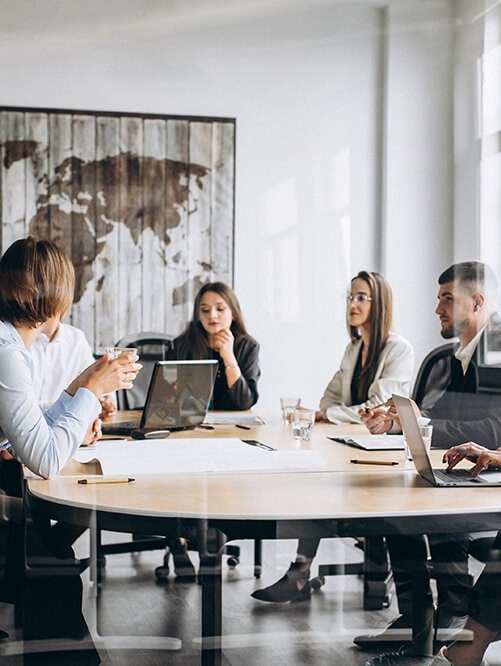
232	418
194	456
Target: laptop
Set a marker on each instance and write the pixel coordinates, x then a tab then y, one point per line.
178	398
421	457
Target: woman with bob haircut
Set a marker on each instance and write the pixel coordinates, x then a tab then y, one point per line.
36	290
375	364
217	331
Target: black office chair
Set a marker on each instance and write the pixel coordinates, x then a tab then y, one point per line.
151	347
374	565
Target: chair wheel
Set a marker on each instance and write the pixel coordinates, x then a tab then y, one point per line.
233	561
317	582
162	573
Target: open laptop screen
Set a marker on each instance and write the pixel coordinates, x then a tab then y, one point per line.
179	394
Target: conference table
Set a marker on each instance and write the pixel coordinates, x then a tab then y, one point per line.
342	499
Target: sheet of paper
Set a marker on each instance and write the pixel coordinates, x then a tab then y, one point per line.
373	442
232	418
195	456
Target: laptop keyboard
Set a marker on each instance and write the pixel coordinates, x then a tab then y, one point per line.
460	475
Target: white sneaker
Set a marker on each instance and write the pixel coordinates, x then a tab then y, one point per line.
441	660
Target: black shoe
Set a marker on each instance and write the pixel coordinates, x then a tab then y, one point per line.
294	586
183	567
397	632
404	657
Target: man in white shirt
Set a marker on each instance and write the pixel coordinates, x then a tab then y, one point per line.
60	355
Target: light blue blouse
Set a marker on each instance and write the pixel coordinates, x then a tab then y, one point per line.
43	441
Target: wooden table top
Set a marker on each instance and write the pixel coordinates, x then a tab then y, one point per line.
342	490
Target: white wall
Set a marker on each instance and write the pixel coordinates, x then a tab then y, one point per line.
303	78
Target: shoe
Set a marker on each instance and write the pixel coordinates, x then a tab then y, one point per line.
441	660
183	567
398	658
294	587
398	631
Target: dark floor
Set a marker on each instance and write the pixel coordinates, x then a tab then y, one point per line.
136	621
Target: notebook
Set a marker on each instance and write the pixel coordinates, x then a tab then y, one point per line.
421	458
178	397
372	442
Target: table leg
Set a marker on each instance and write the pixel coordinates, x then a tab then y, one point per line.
212	596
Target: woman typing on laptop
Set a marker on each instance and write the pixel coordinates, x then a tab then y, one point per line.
376	363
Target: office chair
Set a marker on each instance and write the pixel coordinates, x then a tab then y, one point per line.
151	347
374	566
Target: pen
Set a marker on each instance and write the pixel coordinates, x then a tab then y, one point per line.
205	426
374	462
239	425
104	479
382	404
260	445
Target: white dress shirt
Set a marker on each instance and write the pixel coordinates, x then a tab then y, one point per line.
44	442
58	361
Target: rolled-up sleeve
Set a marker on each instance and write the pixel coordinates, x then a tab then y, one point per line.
44	442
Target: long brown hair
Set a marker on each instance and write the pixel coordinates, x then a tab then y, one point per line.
381	321
193	342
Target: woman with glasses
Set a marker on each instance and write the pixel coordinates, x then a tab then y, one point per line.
375	364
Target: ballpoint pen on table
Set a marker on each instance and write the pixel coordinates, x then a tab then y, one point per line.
260	445
244	427
104	479
374	462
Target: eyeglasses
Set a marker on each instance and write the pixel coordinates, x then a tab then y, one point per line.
358	299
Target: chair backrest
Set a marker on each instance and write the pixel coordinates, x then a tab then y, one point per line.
151	347
432	376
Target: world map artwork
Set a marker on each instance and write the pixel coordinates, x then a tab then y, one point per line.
143	232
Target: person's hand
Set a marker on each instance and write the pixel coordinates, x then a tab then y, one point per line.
223	343
376	420
93	433
320	415
473	452
107	375
108	406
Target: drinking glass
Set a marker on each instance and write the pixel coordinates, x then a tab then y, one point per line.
113	352
426	433
288	406
302	424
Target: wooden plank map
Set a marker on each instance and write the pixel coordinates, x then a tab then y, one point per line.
143	205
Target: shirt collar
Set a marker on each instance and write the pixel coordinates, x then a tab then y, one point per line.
464	354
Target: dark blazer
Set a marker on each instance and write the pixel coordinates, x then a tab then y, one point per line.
243	394
460	411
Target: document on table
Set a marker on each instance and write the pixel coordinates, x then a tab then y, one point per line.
195	456
232	418
372	442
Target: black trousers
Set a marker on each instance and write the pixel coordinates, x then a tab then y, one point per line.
409	560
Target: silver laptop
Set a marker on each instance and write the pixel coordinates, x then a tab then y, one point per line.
178	398
421	458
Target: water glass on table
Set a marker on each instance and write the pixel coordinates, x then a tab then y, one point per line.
288	406
426	433
302	424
